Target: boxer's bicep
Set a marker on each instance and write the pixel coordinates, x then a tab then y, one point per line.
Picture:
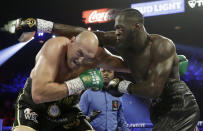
159	73
44	87
46	67
45	71
160	69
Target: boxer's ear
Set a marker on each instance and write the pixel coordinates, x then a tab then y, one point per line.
136	27
73	39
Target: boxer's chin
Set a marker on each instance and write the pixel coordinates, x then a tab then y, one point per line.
106	80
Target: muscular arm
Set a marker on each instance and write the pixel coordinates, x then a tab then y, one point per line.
105	38
44	87
22	25
67	30
162	60
106	60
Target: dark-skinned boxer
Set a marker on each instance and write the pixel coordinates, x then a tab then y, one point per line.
153	61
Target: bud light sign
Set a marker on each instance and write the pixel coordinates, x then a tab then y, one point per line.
162	7
99	15
195	3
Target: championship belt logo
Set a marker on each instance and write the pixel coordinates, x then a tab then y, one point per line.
30	22
53	110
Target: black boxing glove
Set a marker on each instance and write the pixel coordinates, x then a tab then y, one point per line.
117	87
112	87
21	25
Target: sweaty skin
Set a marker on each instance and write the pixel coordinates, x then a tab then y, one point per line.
151	67
56	63
151	58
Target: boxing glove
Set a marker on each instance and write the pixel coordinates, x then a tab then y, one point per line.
183	64
90	79
112	87
21	25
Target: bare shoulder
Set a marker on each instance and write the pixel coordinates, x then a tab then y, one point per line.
53	47
162	46
56	44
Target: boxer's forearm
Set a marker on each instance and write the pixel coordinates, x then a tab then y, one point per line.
105	38
66	30
50	92
20	26
143	89
104	59
115	64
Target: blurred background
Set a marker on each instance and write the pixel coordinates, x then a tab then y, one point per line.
179	20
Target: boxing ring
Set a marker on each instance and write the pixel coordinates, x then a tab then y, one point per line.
131	125
150	125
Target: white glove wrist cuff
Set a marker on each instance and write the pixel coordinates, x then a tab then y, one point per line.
44	26
123	86
74	86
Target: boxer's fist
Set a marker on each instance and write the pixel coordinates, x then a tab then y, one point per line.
92	79
24	29
20	25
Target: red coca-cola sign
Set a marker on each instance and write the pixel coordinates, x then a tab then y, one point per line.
99	15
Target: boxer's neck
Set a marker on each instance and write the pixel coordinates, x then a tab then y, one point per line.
141	41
